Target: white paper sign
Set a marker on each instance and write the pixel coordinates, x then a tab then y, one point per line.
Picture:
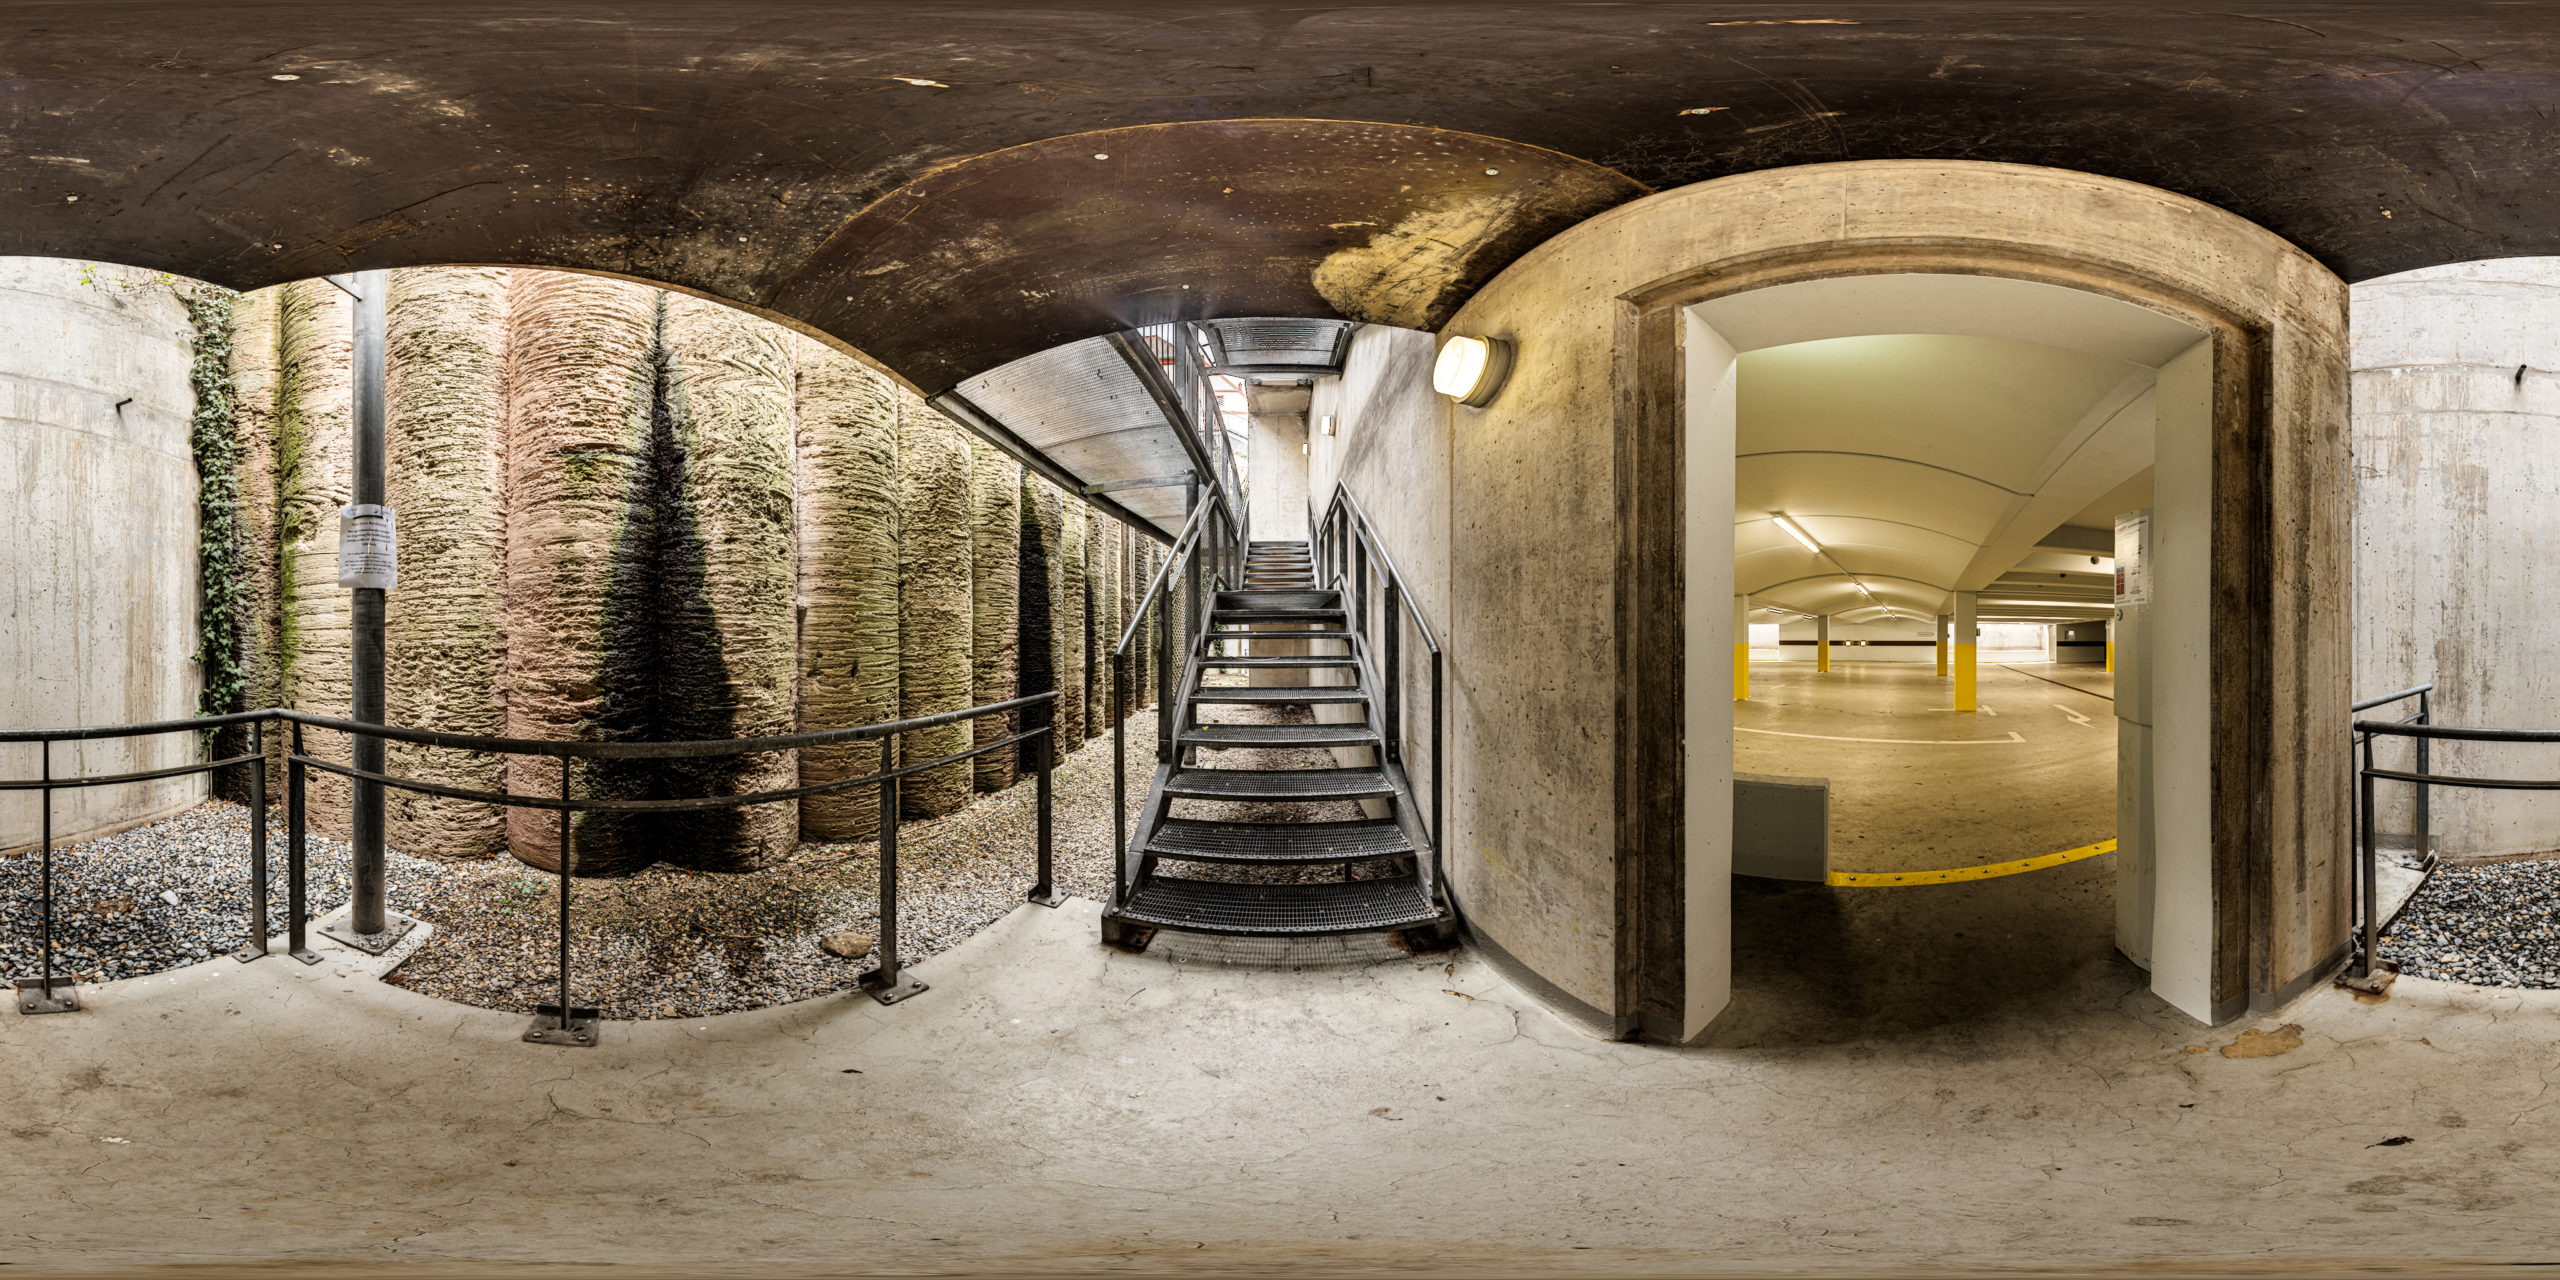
368	547
2133	558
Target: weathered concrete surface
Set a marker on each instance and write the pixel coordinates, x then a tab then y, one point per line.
995	539
1071	615
1102	577
2457	399
1276	451
577	422
445	393
1535	527
848	549
315	406
937	561
1400	1115
731	380
97	537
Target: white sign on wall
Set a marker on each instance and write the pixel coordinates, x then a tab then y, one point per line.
368	547
2133	558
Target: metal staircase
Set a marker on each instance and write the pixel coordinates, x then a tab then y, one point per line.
1293	844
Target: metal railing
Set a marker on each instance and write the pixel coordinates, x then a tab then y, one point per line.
2422	731
1204	559
565	1022
1349	558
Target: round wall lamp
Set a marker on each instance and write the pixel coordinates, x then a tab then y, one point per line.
1471	370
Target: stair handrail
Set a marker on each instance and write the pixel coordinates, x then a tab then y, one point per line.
1210	521
1347	544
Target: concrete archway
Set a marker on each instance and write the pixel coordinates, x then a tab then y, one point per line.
1590	437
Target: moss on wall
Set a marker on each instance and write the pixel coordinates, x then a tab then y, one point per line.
937	563
995	495
315	344
213	438
847	459
254	388
444	639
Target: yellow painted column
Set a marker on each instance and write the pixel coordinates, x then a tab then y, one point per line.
1942	646
1964	646
1741	647
2111	645
1822	643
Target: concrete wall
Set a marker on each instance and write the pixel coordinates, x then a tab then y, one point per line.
97	536
1844	634
1276	455
2457	459
1536	540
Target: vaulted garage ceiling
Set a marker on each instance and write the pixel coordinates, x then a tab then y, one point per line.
928	183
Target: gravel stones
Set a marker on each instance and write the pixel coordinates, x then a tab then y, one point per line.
2489	924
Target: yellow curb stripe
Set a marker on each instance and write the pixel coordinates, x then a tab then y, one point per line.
1876	879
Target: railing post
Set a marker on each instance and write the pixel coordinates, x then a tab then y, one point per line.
256	946
2426	832
1046	891
1119	801
1437	778
2372	896
562	1023
37	994
1391	673
889	984
1360	586
297	907
1168	716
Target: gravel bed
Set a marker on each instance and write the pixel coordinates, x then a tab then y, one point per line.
665	943
2491	924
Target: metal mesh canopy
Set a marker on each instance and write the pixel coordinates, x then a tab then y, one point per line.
1083	407
1278	344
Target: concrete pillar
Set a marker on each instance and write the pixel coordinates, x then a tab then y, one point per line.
1822	643
1942	646
1963	650
1741	648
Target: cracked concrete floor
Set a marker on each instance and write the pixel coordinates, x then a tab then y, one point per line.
1053	1106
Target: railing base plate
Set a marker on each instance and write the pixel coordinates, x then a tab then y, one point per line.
547	1028
887	992
395	926
33	998
248	951
1053	898
305	955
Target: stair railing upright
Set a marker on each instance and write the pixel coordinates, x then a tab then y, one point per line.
2422	730
1349	557
1198	563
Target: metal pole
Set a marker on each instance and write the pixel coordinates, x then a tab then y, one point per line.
296	890
564	1024
366	912
1437	786
256	946
36	994
2426	831
888	984
1391	627
1119	808
2372	898
1046	891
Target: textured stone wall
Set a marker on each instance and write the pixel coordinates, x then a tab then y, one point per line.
848	555
1074	622
254	378
1043	645
995	494
445	394
315	342
937	560
578	419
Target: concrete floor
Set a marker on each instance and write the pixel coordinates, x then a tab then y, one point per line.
1051	1105
1917	805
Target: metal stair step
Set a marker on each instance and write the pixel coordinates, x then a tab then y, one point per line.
1239	695
1281	635
1278	842
1279	735
1266	601
1340	906
1279	784
1257	617
1273	662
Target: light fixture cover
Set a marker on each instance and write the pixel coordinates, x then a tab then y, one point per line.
1796	531
1328	424
1471	370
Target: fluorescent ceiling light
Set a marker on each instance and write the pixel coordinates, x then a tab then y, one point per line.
1796	531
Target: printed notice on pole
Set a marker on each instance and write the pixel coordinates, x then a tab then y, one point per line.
368	548
2133	558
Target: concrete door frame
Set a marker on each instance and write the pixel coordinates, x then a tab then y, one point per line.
2278	530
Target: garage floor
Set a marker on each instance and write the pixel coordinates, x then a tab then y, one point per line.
1051	1105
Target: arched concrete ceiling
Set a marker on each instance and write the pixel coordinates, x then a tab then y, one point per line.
761	152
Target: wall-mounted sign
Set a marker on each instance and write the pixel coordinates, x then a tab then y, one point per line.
368	547
2133	558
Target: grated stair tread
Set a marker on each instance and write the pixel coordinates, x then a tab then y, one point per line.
1238	695
1341	906
1279	784
1279	842
1280	735
1281	662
